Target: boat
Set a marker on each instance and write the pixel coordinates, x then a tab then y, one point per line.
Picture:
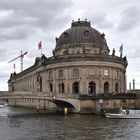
124	114
2	105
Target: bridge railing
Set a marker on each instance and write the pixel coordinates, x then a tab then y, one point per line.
56	95
4	93
39	94
63	94
66	95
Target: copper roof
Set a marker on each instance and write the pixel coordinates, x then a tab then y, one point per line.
81	32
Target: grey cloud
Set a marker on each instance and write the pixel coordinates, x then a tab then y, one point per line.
114	15
129	17
16	33
12	19
3	54
102	21
3	75
134	53
38	10
29	14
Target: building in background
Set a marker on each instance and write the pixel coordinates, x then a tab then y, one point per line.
81	64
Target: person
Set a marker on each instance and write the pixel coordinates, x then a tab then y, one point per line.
113	52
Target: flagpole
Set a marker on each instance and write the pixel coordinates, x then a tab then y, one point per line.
40	47
121	50
41	51
14	67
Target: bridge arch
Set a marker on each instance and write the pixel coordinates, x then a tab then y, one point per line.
73	105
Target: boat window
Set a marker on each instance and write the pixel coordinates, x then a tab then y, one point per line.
127	111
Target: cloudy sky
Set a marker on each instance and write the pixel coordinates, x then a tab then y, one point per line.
24	23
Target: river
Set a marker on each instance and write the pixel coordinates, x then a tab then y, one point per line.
28	124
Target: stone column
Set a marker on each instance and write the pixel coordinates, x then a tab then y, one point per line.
54	81
100	80
66	75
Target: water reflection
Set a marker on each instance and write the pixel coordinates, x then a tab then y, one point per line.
23	124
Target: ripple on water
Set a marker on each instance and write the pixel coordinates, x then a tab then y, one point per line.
33	126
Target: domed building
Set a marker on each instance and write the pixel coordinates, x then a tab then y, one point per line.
81	64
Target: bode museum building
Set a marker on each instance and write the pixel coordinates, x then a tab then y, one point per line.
81	64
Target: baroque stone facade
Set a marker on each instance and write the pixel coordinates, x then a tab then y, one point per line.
81	64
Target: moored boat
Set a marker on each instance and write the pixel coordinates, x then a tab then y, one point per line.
124	114
2	105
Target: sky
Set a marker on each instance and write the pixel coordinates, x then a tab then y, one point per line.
23	24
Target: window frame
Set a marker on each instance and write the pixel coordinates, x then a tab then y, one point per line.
106	72
76	72
61	73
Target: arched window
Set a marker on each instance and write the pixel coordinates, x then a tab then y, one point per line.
65	34
65	52
116	87
105	52
75	87
92	88
61	88
106	87
51	87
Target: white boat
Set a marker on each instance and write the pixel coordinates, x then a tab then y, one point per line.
124	114
2	105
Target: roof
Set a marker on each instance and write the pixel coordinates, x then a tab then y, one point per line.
81	32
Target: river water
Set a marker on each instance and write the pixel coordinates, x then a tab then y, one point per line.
27	124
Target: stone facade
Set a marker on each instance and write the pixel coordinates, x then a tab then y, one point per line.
81	64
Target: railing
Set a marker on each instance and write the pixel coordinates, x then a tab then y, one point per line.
71	96
90	56
4	93
38	94
1	92
109	96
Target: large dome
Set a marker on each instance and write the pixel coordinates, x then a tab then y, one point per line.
81	32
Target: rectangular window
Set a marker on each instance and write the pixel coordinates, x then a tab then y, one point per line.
106	72
75	72
91	72
60	73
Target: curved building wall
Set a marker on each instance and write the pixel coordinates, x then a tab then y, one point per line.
84	72
75	77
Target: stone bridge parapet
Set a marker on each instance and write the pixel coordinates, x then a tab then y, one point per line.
59	99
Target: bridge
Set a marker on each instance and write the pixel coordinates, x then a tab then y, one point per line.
74	103
71	102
